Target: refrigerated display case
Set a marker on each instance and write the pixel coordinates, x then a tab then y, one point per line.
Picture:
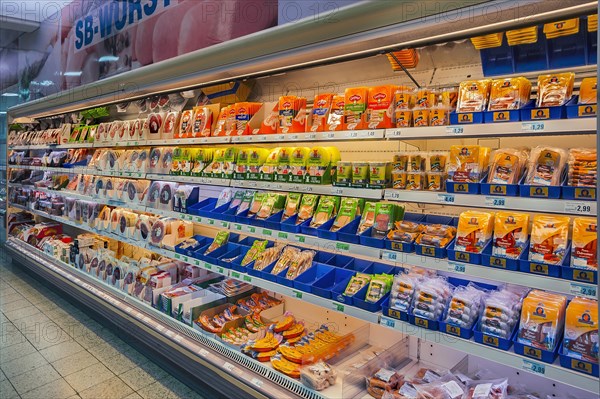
190	298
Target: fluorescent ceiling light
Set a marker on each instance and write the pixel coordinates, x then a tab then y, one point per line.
105	58
72	73
10	95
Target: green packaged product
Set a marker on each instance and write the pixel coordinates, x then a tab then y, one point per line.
271	204
343	176
360	174
241	167
356	283
380	174
246	201
255	250
238	197
325	211
256	203
307	207
220	239
349	209
292	203
386	214
379	285
367	219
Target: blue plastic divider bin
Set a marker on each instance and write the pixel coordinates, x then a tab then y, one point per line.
581	275
492	340
463	256
453	187
576	110
498	262
212	212
373	242
324	285
388	311
244	218
213	257
283	280
569	51
202	241
237	254
466	118
194	209
508	190
273	222
533	56
530	191
510	115
405	246
592	46
305	281
530	113
359	300
339	261
265	273
289	225
498	60
324	231
348	232
306	229
579	193
583	366
535	353
424	323
541	268
229	214
323	257
337	292
358	265
187	203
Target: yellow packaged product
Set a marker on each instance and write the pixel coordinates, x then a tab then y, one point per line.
449	97
561	28
404	98
425	98
510	93
474	231
434	181
420	117
473	95
415	181
542	320
439	117
511	231
549	239
587	91
555	90
467	163
436	162
399	180
581	330
584	247
507	166
545	166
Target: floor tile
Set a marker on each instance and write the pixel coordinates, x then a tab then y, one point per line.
112	388
104	351
138	378
134	395
21	312
50	335
14	305
6	299
62	350
15	351
157	391
57	389
34	379
7	391
23	364
89	377
10	335
121	363
46	306
74	363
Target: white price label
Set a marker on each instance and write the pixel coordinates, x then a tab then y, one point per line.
532	126
203	352
388	322
310	136
456	267
293	137
446	198
337	191
455	129
583	290
228	366
257	382
534	367
328	135
392	195
393	133
389	255
580	207
495	202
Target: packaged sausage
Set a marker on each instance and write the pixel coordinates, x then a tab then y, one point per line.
474	231
349	209
487	389
256	203
431	298
555	89
509	93
464	306
582	167
542	320
201	123
379	285
405	231
584	244
292	203
500	312
545	166
467	163
221	126
588	90
220	239
473	95
511	231
326	209
368	218
581	330
271	204
307	207
356	283
299	264
335	119
506	166
386	214
549	239
292	114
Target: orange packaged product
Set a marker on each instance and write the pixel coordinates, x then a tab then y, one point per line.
585	244
439	117
292	114
335	119
185	125
355	106
270	121
380	110
425	98
243	113
420	117
473	95
201	123
221	125
555	90
449	97
510	93
587	91
320	111
549	239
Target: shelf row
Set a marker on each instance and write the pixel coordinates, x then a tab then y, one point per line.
538	128
561	206
489	350
386	256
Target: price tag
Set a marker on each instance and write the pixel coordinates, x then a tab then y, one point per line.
297	294
532	126
225	225
583	290
388	322
177	256
207	266
247	279
446	198
387	255
238	227
342	246
352	134
392	195
267	232
203	352
307	189
328	135
301	239
456	267
221	270
580	207
293	137
184	258
211	221
310	136
534	367
337	191
235	275
252	229
495	202
337	307
455	130
282	235
393	133
196	262
228	366
257	382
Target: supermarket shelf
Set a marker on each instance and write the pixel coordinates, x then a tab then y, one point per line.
495	202
204	352
552	371
319	136
575	126
190	141
51	146
211	181
323	189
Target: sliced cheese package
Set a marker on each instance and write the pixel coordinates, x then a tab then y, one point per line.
511	231
581	330
584	251
555	89
349	209
474	231
473	95
507	165
542	320
549	239
545	166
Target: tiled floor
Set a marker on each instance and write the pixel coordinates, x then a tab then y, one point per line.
49	349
